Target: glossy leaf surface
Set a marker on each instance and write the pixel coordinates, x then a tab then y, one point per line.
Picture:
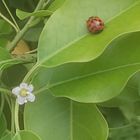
59	118
69	41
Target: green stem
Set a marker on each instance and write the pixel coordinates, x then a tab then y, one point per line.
25	28
12	116
16	116
29	74
8	21
17	105
46	3
8	101
33	51
12	46
17	27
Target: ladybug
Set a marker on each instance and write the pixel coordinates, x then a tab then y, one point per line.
95	24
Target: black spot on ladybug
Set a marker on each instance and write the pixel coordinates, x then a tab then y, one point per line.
95	24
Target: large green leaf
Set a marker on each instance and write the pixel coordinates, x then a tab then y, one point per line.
66	39
101	79
25	135
61	119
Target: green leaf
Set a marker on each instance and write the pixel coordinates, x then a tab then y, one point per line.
5	28
62	119
129	95
68	39
41	13
101	79
4	54
25	135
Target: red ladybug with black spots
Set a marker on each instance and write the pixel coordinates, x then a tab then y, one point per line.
95	24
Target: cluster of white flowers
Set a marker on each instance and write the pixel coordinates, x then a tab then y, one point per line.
24	93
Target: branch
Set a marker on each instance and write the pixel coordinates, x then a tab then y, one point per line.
20	34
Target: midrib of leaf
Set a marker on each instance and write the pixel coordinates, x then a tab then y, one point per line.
91	74
81	37
71	123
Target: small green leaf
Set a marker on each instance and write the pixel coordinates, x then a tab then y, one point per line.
41	13
62	119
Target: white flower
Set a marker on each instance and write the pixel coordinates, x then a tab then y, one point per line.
24	93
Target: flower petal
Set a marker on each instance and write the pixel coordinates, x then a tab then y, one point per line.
21	100
30	88
31	97
24	85
16	90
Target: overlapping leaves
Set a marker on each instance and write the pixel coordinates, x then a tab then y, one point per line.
101	79
68	40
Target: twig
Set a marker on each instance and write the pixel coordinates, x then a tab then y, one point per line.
25	28
8	21
17	27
